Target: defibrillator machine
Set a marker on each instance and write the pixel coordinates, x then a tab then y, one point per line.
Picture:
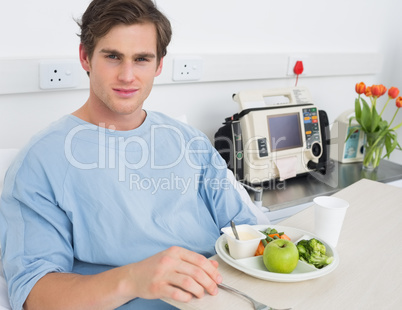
277	134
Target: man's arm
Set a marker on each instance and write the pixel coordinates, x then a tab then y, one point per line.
175	273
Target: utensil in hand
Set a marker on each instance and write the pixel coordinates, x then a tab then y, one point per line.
234	230
257	305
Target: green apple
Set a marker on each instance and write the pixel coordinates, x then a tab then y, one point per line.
281	256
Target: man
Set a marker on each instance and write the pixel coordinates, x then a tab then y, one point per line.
115	205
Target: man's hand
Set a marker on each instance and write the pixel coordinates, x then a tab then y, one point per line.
175	273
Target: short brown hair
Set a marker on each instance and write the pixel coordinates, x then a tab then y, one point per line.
102	15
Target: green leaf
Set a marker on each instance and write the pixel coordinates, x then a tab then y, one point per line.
383	124
351	119
391	141
358	111
352	129
375	120
366	117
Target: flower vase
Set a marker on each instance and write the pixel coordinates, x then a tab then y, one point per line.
373	148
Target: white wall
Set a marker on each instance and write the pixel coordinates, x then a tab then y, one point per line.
46	29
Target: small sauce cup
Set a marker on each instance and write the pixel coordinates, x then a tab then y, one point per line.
248	243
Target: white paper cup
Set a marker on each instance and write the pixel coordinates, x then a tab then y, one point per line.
329	215
248	243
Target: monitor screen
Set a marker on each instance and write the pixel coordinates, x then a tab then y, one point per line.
284	131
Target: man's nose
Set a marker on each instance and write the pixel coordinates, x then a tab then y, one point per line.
127	73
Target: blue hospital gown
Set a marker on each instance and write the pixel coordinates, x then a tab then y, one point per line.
82	198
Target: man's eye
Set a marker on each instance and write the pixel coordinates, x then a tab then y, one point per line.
140	59
112	57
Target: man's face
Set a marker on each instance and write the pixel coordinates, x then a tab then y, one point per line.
122	70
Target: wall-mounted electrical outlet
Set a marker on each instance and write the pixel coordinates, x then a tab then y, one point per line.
292	62
58	73
187	68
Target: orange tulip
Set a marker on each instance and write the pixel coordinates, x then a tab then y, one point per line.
398	102
360	88
375	90
383	90
393	92
378	90
368	91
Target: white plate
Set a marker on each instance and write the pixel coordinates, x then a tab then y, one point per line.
255	267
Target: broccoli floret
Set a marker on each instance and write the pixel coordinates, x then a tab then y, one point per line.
302	246
313	252
317	246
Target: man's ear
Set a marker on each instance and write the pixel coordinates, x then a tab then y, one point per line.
159	69
84	59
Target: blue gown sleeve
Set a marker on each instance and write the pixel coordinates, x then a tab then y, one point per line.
220	195
36	233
